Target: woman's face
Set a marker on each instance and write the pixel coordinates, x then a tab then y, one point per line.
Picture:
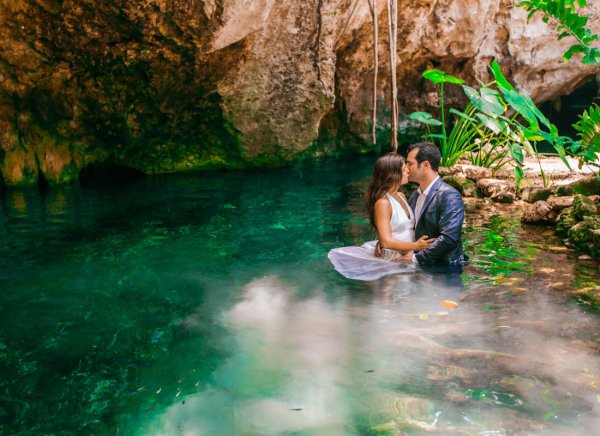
405	174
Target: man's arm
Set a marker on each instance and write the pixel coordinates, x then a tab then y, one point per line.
452	215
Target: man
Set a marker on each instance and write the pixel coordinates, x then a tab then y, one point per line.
439	209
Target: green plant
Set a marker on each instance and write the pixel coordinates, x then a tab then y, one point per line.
570	22
484	131
454	146
588	145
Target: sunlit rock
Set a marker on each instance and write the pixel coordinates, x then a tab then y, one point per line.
501	191
538	211
476	173
531	195
560	203
589	185
503	197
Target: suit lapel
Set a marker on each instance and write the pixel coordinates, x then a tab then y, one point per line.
429	198
412	201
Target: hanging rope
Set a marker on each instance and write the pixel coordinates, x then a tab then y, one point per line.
373	8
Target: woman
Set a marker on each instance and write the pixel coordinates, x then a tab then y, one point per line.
391	218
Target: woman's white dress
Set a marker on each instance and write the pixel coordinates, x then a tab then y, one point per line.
360	263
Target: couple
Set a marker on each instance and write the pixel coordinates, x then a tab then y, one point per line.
423	231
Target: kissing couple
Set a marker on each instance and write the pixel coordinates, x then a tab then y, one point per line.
423	231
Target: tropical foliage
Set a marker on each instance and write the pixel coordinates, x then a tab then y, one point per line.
498	126
569	20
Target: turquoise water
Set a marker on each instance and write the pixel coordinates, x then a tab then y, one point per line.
205	304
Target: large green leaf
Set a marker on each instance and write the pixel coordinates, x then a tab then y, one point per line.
436	136
521	105
519	175
425	118
516	151
488	101
500	79
437	77
462	115
490	123
494	105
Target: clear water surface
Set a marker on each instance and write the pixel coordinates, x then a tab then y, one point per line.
205	304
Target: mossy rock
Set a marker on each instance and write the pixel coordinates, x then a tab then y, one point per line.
532	195
588	186
19	167
459	181
583	206
565	221
583	235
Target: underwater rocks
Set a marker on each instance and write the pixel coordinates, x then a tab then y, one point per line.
166	86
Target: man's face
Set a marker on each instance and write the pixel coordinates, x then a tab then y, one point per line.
415	170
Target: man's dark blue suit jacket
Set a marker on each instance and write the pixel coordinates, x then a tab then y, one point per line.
442	217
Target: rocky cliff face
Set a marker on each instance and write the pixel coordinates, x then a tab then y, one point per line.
175	85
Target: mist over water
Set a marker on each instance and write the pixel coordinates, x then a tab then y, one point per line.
205	304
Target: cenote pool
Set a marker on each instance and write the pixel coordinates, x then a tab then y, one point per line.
205	304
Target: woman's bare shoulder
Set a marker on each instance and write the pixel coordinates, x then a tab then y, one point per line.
382	202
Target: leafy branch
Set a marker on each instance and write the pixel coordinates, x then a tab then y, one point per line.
569	23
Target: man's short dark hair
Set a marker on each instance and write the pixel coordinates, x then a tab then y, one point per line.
427	152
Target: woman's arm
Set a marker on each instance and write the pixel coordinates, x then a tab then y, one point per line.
383	217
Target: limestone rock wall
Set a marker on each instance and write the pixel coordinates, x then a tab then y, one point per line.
176	85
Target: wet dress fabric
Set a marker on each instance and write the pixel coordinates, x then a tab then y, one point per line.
360	263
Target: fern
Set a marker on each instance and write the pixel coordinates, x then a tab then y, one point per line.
588	127
569	23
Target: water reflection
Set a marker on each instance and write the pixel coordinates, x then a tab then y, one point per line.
401	362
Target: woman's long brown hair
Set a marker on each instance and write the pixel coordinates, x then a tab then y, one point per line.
386	175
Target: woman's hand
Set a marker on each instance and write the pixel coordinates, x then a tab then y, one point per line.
423	243
407	258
